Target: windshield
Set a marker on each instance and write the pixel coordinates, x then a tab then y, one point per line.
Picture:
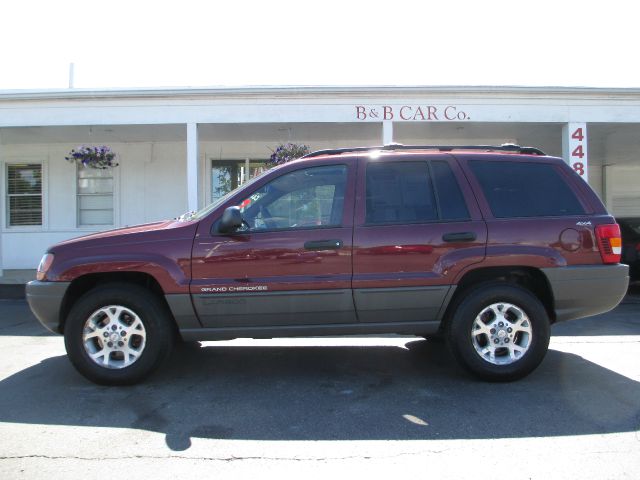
197	215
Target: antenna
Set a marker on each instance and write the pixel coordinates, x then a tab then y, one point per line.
71	72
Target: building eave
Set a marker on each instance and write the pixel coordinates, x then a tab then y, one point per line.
316	91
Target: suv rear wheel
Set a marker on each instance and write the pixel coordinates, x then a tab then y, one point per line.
499	332
117	334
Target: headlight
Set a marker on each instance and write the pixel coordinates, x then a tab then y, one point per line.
44	266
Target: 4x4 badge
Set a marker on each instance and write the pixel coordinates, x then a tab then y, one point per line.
583	224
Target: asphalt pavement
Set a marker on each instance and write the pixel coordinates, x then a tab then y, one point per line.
317	407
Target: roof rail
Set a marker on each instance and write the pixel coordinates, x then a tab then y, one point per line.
505	147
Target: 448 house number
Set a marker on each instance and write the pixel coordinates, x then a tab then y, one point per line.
578	139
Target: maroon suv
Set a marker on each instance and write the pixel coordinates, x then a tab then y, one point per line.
486	245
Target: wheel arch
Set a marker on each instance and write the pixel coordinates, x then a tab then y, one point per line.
85	283
530	278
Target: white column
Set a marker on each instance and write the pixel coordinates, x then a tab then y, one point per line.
192	167
574	148
387	132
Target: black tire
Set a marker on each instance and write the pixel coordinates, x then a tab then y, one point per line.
157	326
472	351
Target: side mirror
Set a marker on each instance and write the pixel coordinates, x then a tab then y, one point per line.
231	220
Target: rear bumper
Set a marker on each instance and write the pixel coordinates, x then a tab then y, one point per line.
585	290
45	299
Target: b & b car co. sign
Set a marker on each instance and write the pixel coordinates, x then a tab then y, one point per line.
411	113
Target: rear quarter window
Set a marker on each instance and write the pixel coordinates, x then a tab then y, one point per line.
519	189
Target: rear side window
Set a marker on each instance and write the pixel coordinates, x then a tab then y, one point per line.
450	199
515	189
412	192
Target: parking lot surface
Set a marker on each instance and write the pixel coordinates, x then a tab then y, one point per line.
314	407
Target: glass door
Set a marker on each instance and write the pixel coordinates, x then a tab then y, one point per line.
227	175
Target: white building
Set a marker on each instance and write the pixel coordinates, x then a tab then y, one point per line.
178	149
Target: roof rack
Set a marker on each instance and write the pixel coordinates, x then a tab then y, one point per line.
505	147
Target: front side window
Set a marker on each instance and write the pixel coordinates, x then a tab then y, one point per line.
24	194
312	197
95	196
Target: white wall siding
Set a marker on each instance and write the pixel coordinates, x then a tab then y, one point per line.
150	185
165	182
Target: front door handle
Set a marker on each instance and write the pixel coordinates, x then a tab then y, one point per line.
323	244
459	237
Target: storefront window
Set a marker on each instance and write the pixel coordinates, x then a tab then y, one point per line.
227	175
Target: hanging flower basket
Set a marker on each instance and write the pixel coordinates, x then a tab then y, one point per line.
93	156
287	152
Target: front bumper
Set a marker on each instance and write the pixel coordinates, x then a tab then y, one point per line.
585	290
45	300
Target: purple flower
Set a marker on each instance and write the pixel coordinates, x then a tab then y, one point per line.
287	152
98	156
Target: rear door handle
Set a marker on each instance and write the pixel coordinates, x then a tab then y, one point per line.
459	237
323	244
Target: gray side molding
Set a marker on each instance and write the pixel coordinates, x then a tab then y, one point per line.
182	309
400	304
278	308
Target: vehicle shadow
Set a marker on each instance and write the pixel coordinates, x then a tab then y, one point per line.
329	393
622	320
17	320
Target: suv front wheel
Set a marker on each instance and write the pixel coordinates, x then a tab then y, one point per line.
118	334
499	332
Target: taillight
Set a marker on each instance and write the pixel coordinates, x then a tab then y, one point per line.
609	242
